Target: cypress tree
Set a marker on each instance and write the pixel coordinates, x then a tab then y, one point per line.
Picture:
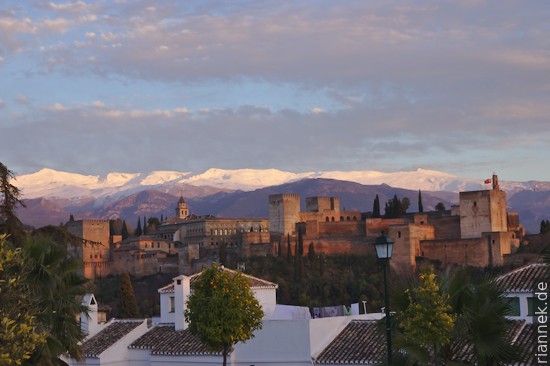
376	208
124	231
144	225
138	231
288	251
420	205
127	303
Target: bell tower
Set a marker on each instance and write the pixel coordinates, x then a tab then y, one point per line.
182	211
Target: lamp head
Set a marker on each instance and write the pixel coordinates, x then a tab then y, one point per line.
384	247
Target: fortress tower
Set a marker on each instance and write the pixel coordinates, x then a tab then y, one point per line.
483	212
284	213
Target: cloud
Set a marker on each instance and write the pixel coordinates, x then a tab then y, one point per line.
339	84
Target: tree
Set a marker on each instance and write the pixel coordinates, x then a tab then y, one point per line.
124	231
441	323
376	208
127	303
482	323
222	310
138	231
288	250
544	226
144	225
396	208
426	322
9	200
153	223
311	252
222	256
19	334
420	204
440	207
54	280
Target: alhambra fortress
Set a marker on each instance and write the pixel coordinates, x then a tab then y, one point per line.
479	232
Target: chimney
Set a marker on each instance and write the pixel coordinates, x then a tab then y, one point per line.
182	290
88	321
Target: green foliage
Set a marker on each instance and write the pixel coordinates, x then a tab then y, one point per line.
19	336
9	200
440	207
54	280
327	281
222	310
426	322
436	324
396	208
127	303
481	309
376	208
153	223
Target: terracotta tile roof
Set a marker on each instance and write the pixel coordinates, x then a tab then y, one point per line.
361	342
524	279
165	340
96	345
255	283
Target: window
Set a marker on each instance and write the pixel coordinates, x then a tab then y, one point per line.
172	304
514	306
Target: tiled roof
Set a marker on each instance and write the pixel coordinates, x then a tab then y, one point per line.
96	345
361	342
165	340
255	283
524	279
525	340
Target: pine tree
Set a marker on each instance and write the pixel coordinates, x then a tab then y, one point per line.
144	225
420	205
138	231
376	208
127	303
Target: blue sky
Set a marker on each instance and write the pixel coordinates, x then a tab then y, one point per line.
136	86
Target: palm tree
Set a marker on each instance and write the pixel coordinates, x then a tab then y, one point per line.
55	282
482	326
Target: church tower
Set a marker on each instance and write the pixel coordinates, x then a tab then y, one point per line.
182	211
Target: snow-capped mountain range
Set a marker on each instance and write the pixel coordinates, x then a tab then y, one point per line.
48	183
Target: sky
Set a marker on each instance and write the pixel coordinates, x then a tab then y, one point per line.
93	87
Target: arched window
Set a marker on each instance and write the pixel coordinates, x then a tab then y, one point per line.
341	218
332	219
327	219
348	218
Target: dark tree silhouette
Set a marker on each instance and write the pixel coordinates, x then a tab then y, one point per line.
376	208
420	204
127	303
9	200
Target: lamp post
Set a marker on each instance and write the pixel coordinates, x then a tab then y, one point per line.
384	248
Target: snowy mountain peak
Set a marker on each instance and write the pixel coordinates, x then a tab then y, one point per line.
52	183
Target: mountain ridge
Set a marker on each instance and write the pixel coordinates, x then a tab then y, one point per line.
49	183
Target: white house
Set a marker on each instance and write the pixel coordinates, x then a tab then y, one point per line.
520	286
288	337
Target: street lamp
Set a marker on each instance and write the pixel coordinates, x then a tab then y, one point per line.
384	248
